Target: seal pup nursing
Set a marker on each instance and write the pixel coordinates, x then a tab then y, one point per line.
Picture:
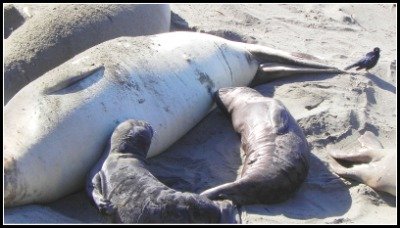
65	116
276	151
121	185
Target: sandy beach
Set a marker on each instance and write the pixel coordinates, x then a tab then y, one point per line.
331	109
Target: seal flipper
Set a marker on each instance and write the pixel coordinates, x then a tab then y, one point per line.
279	117
96	186
270	55
278	70
70	77
278	64
369	140
95	190
372	150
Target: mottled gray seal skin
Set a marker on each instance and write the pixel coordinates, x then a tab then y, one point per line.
122	187
62	31
276	151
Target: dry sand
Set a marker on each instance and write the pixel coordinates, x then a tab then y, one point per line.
331	109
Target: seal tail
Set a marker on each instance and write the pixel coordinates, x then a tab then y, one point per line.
276	64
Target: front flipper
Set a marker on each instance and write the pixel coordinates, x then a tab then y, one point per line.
279	117
96	185
72	76
95	190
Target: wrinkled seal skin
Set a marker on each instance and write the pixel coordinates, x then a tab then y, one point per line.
276	151
44	42
121	185
65	116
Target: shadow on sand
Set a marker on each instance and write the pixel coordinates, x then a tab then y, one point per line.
322	195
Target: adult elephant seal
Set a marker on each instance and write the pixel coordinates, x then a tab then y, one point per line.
276	151
56	126
121	185
58	33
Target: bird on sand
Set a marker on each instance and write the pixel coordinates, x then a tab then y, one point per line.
367	62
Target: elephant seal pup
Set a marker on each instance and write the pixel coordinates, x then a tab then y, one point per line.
276	151
65	116
59	32
122	187
376	168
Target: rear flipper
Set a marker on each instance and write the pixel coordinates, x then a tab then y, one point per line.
371	150
363	155
357	172
369	140
276	64
378	169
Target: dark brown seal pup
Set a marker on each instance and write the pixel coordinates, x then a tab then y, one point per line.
275	147
121	186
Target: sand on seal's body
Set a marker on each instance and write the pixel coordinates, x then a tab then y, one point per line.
56	33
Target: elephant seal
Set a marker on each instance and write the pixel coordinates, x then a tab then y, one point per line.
65	116
376	168
122	186
276	150
62	31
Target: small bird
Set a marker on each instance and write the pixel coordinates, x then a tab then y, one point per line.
367	62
